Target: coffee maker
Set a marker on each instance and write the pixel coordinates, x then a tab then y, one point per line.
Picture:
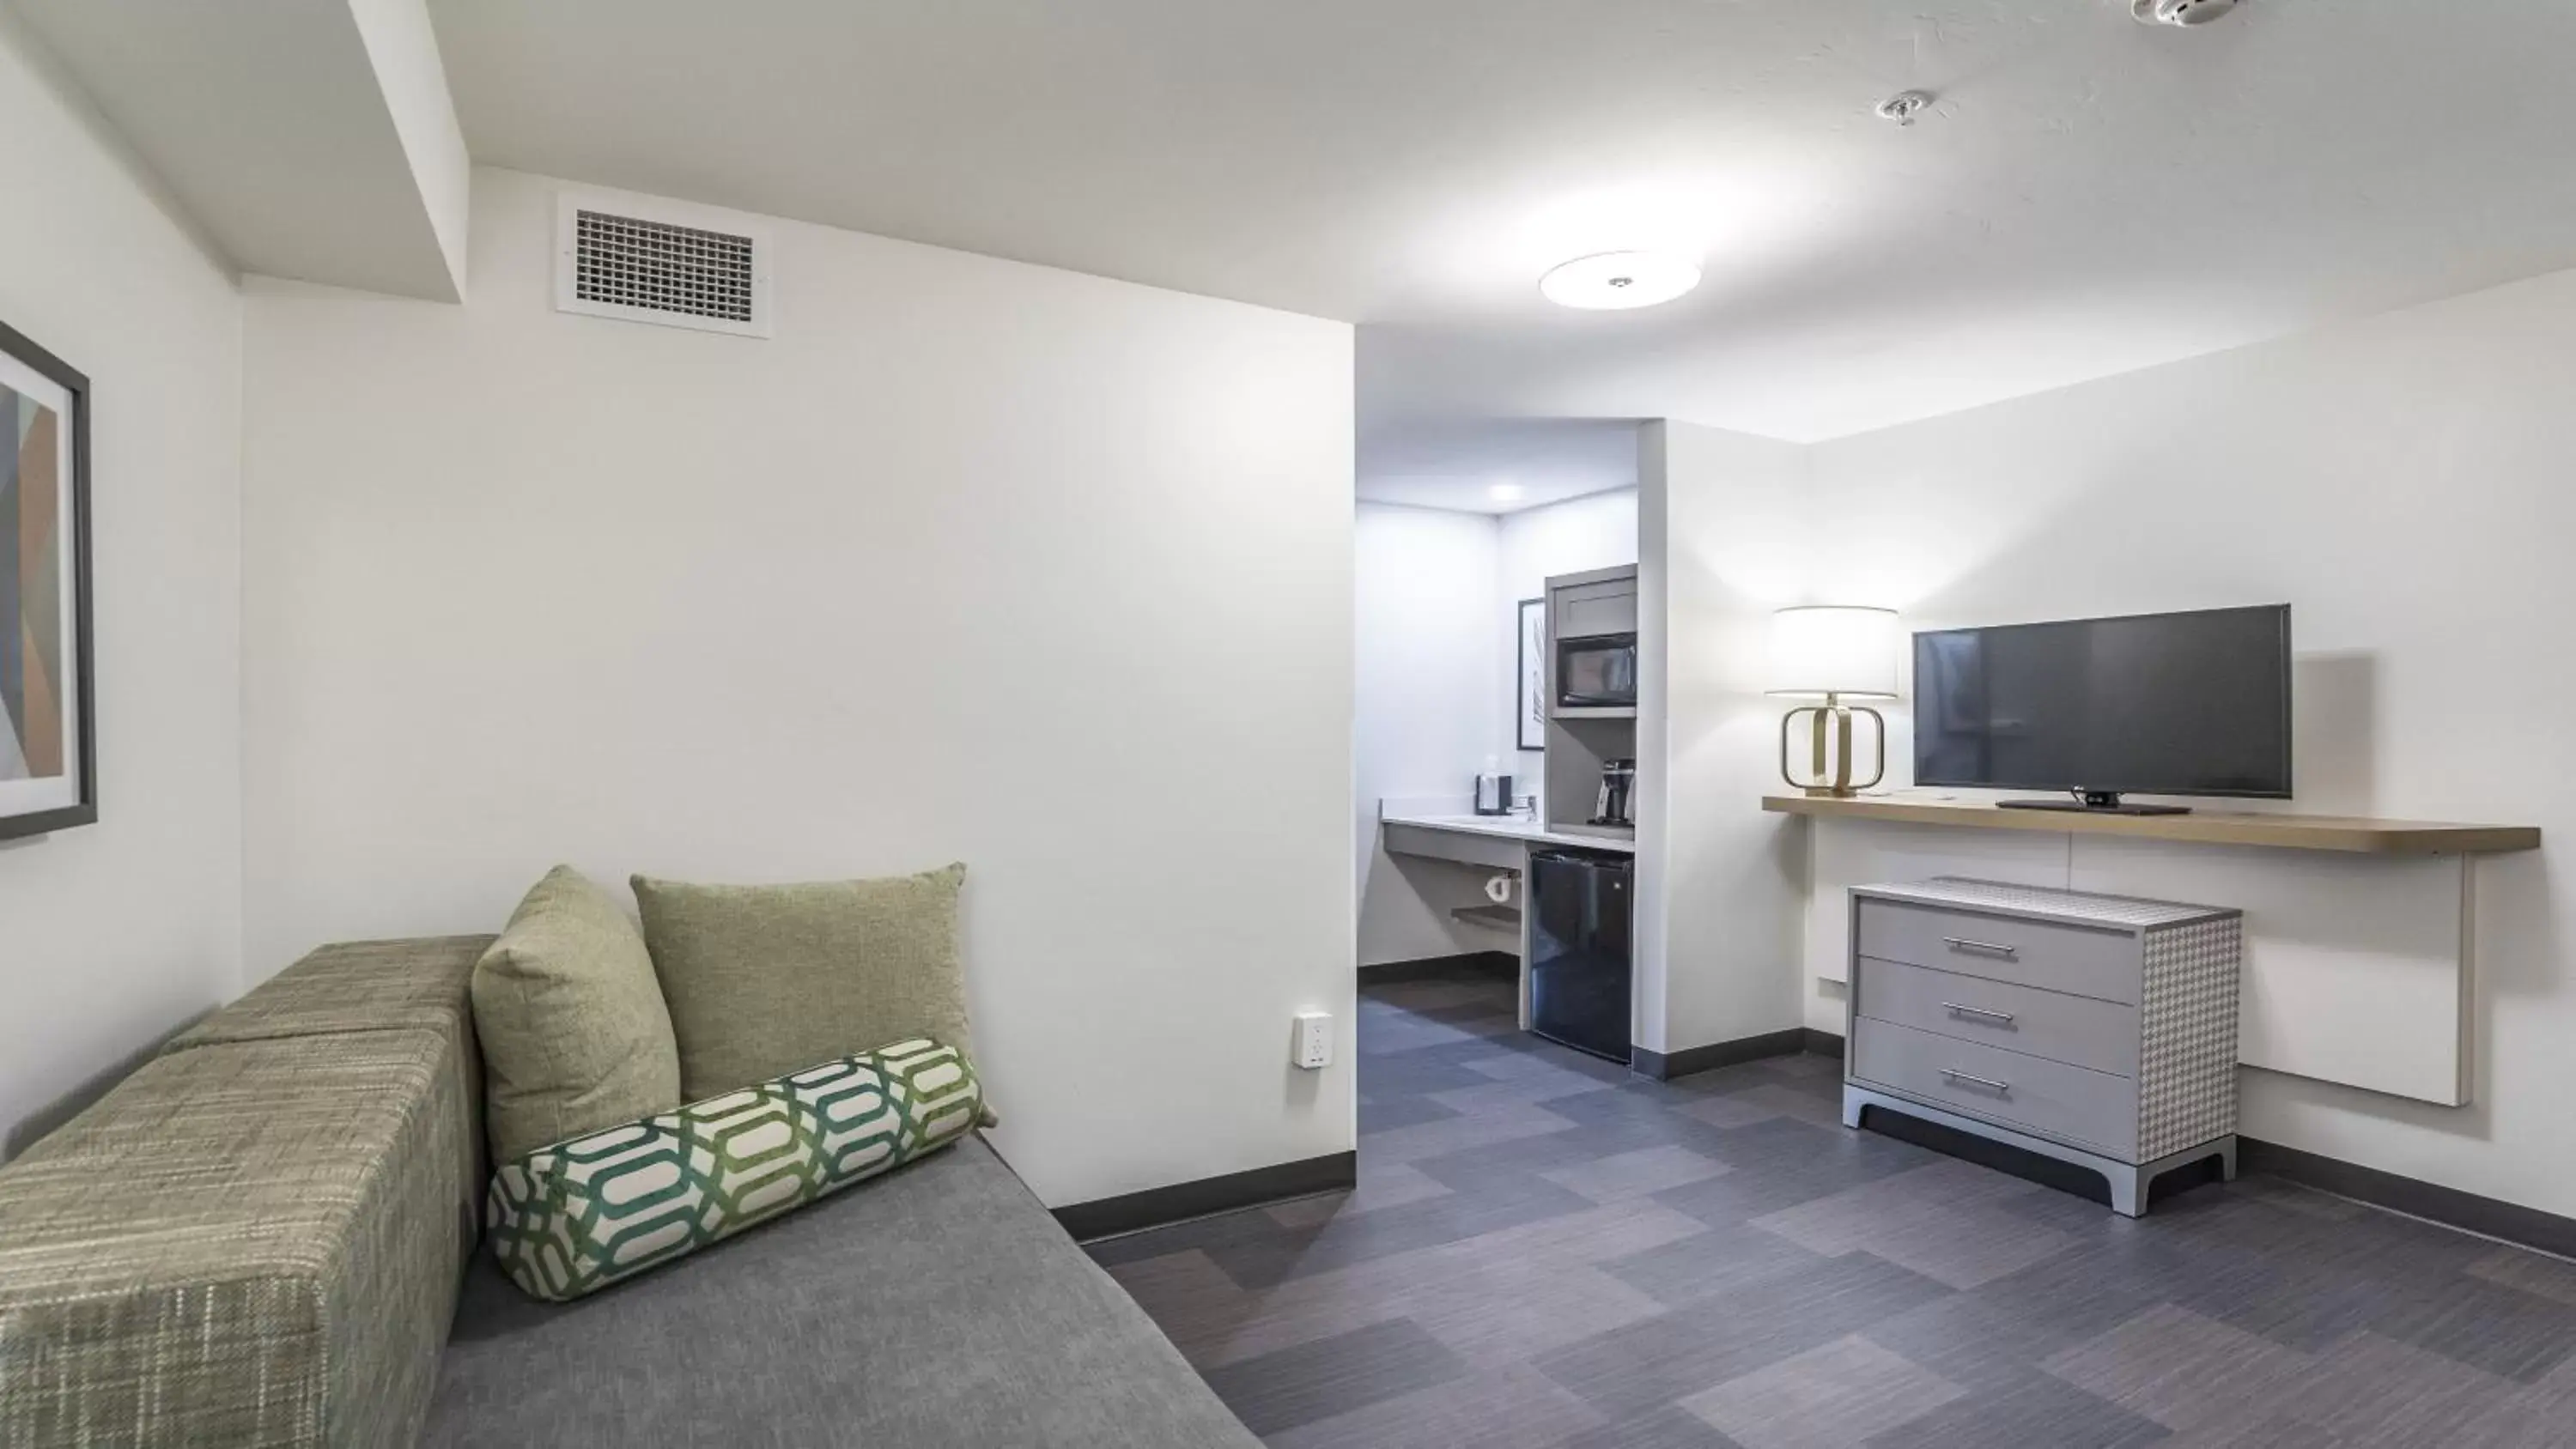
1617	802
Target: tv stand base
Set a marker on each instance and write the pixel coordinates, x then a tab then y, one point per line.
2095	802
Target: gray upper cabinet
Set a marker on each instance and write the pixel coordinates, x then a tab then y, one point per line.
1583	737
1590	605
1585	610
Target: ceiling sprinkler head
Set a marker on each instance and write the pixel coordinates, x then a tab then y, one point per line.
1904	106
2179	12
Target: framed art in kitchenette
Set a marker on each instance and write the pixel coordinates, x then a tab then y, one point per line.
1530	704
48	733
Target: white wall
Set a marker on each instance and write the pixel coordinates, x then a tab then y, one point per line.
1596	531
974	560
1424	715
114	934
1723	540
2403	483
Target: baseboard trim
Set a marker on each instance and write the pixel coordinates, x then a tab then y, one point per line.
1430	968
1824	1043
1157	1207
2485	1216
1664	1066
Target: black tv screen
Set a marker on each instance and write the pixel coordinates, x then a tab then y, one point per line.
2152	704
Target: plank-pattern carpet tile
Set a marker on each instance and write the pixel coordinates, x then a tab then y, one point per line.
1545	1252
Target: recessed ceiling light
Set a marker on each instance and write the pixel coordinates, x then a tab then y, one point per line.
1505	492
1616	281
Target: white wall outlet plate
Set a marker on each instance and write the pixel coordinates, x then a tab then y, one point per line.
1312	1045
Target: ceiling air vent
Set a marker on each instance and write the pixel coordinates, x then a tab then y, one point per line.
675	266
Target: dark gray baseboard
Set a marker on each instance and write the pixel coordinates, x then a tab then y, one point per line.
1157	1207
1432	968
1824	1043
1664	1066
2512	1222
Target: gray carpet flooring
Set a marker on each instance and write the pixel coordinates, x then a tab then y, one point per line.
1546	1251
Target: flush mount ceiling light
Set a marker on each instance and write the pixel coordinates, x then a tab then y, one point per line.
2179	12
1904	106
1505	492
1616	281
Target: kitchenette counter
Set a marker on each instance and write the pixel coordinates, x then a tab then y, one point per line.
1513	851
1504	827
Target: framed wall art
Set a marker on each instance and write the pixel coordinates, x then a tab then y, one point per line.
1530	703
48	733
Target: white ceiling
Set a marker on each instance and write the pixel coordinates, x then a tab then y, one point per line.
1458	463
309	138
2088	196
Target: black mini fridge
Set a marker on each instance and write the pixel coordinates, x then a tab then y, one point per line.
1579	951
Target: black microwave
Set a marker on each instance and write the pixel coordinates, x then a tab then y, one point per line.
1597	671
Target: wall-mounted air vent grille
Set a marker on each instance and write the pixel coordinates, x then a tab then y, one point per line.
667	268
631	263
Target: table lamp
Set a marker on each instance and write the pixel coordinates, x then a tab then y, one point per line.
1834	652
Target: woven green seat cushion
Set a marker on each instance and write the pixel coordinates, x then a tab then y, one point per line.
245	1243
762	980
353	986
574	1032
572	1218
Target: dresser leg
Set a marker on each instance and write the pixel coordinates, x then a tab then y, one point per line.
2227	1159
1853	1103
2128	1190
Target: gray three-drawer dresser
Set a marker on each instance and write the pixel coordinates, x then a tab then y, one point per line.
2097	1030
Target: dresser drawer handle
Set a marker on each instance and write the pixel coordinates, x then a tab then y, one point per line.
2000	1018
1974	1081
1981	948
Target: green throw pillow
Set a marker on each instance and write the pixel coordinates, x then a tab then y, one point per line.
764	979
574	1033
570	1219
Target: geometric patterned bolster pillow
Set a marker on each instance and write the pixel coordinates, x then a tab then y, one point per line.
572	1218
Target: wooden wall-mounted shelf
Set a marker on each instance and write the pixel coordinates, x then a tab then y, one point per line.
2347	834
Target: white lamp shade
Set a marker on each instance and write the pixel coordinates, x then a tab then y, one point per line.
1834	649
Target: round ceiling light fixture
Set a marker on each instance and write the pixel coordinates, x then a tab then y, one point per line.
1504	493
1904	106
2179	12
1617	281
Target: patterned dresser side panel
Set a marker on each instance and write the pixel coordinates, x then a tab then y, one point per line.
2187	1047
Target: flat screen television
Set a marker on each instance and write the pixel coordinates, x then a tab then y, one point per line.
2153	704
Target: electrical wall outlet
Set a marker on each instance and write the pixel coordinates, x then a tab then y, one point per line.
1312	1045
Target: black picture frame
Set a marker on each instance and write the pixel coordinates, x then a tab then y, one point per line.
1529	706
84	811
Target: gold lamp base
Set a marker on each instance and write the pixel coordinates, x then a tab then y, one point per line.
1830	769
